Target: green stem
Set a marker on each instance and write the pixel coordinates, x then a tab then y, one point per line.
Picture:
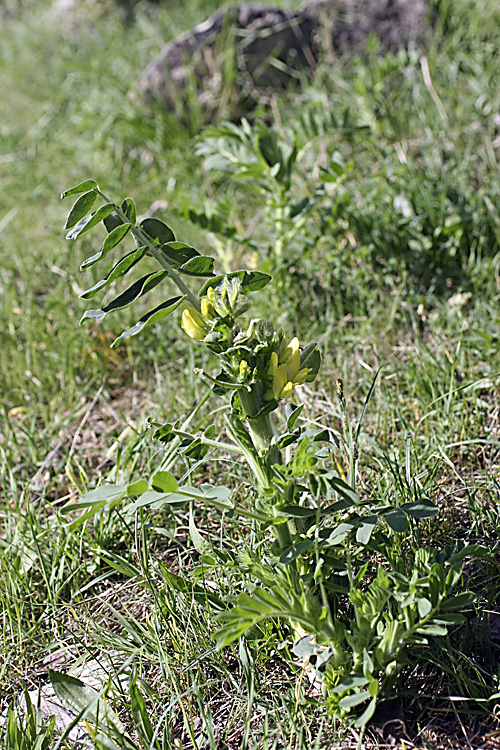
156	253
261	431
211	443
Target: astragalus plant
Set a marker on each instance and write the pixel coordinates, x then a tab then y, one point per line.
349	574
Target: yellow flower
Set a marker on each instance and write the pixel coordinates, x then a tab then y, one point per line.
285	370
193	323
207	309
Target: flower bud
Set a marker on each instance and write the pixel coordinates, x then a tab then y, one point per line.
193	323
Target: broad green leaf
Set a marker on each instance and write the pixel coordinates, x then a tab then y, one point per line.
432	629
354	700
156	500
424	607
80	208
137	488
218	496
367	714
251	281
344	490
367	665
349	682
310	357
104	494
113	238
128	208
90	221
122	267
453	618
201	545
178	253
84	700
305	647
292	413
461	601
199	266
81	188
365	529
164	481
420	509
338	534
288	439
164	434
296	550
397	520
140	287
157	230
297	511
149	318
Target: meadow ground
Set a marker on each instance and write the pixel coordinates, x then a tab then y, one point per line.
385	247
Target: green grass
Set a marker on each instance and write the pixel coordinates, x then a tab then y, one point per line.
373	272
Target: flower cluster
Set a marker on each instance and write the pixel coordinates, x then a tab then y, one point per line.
255	357
285	371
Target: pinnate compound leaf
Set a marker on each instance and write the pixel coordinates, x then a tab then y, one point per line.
80	208
200	266
90	221
218	496
251	281
106	496
84	700
119	269
83	187
157	230
114	238
138	288
165	433
153	316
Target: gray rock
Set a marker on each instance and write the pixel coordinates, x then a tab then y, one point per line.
270	46
46	703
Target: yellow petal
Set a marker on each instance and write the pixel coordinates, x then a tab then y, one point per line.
193	323
293	364
273	363
287	390
290	350
301	376
279	381
207	309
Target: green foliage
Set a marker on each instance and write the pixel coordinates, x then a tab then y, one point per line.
359	618
370	196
